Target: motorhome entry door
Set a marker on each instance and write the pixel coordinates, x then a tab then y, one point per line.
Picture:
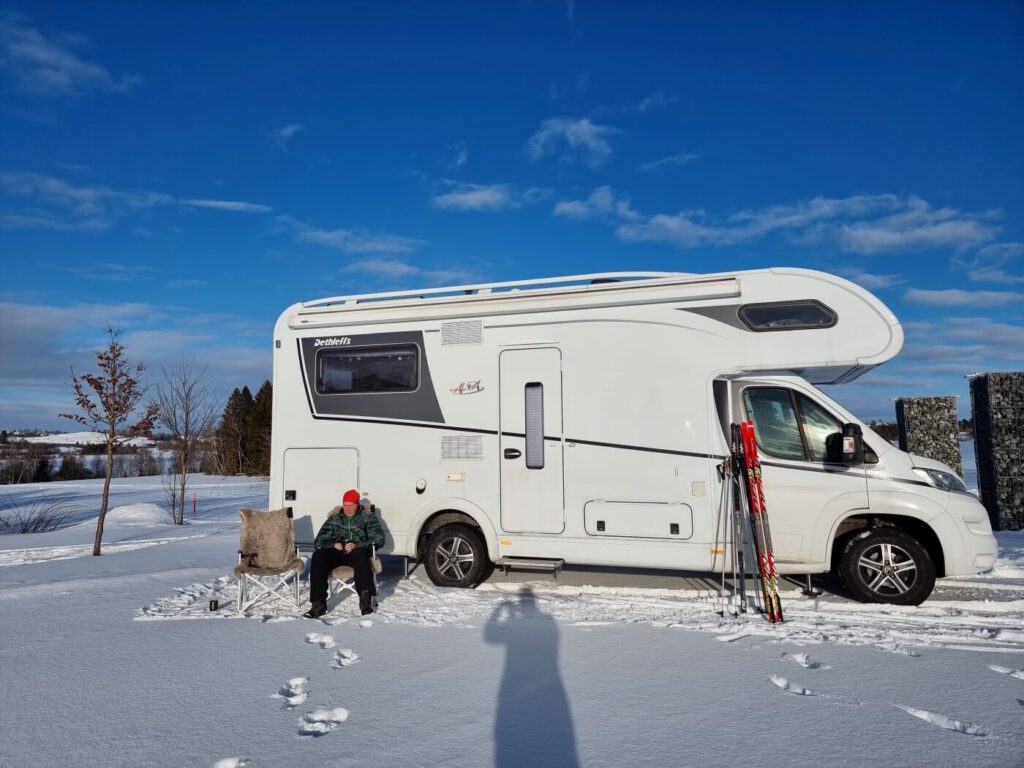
314	481
530	440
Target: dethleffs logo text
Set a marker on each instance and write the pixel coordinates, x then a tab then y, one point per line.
334	341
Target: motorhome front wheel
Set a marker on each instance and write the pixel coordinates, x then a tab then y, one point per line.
886	565
456	556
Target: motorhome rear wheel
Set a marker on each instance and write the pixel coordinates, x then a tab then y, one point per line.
886	565
456	556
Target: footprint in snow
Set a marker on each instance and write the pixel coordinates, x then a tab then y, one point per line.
344	657
321	721
324	641
293	692
1011	671
731	638
945	722
900	649
789	687
230	762
365	624
804	660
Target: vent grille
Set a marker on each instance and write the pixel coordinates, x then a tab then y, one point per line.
462	448
462	332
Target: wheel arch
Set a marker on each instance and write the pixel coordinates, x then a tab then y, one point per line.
855	523
443	511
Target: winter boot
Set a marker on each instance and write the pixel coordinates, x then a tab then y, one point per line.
365	603
316	610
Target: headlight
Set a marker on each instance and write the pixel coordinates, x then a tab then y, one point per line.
945	481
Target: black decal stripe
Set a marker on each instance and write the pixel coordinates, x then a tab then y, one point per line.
395	423
645	449
472	430
829	468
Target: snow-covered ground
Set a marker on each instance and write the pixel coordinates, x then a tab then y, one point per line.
118	660
81	438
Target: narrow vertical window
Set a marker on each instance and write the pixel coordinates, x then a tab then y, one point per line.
535	425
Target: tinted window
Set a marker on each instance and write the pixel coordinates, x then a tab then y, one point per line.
787	316
789	425
393	368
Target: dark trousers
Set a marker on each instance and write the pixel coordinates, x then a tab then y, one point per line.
326	560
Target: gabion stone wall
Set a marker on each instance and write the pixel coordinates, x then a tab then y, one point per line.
929	427
997	400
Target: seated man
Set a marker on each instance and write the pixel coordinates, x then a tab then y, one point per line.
344	539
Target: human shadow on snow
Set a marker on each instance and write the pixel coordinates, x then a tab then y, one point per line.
533	725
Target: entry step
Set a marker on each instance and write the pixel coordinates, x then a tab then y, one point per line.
530	564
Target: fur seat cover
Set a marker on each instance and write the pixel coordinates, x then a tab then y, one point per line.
267	544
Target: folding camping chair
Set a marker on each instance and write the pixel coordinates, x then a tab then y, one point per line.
267	558
343	578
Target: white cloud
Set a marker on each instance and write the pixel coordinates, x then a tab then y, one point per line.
657	99
956	297
860	223
477	197
390	268
49	66
665	163
229	205
572	140
455	157
41	343
112	272
996	263
356	241
181	283
70	206
400	273
602	202
62	205
870	281
282	137
1009	338
463	196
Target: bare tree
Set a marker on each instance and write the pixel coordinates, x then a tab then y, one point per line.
184	406
115	396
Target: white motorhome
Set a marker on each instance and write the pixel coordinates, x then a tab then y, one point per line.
582	419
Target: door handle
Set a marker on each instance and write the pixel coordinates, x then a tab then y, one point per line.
513	453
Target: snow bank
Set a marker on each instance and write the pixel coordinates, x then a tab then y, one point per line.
138	514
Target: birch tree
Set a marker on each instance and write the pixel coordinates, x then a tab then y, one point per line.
106	402
184	406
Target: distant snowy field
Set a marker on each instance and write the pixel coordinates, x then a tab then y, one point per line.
118	660
81	438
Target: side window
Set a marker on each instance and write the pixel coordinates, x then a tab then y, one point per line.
775	424
818	425
352	370
789	425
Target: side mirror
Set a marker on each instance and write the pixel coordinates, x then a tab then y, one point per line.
853	445
846	447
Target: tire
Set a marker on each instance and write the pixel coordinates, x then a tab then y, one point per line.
456	556
886	565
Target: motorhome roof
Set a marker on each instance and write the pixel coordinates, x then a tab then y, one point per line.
574	282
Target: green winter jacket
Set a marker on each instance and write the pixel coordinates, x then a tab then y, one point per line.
362	529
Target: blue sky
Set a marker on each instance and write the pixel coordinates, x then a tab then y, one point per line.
184	171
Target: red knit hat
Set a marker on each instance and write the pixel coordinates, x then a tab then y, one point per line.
351	496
